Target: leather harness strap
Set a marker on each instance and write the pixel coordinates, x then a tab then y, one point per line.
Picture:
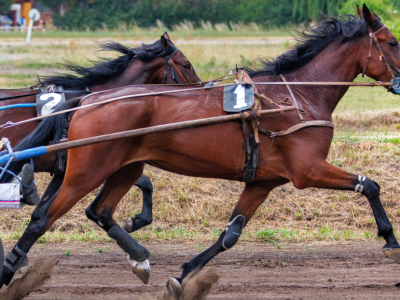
170	62
252	140
374	40
297	127
293	98
178	71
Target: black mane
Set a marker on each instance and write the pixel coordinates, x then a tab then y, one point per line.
310	42
105	69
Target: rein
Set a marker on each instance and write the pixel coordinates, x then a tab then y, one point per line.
26	95
370	84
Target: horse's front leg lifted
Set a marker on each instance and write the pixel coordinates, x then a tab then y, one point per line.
102	208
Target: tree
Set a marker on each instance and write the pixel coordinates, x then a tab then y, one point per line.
311	10
5	6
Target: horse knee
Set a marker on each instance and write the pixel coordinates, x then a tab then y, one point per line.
103	219
145	185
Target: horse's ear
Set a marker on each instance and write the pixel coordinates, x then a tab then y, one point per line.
166	35
369	17
164	40
360	12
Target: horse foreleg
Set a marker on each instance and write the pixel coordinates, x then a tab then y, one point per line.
102	209
251	198
146	216
324	175
45	214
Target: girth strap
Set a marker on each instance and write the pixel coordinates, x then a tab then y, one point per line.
252	141
294	128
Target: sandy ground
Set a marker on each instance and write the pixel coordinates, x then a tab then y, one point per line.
355	270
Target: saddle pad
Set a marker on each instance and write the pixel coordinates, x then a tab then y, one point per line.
48	102
238	97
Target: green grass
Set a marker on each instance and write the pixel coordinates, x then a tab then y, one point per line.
140	33
271	236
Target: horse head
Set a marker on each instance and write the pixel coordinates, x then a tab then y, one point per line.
174	67
381	50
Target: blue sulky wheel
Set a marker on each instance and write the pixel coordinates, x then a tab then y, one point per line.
1	258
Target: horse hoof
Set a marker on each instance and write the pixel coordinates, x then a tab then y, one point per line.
174	288
141	269
392	253
128	225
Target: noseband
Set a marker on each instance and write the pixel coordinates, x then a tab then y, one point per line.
373	40
169	62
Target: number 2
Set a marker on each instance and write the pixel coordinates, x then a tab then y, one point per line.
240	97
48	107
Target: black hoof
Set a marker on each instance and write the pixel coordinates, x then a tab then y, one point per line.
6	277
391	246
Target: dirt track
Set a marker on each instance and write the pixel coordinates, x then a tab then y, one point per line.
250	271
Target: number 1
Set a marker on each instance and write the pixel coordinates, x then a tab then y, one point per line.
240	97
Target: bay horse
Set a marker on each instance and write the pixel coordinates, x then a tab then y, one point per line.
146	64
335	51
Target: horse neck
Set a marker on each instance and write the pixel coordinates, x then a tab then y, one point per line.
334	64
137	72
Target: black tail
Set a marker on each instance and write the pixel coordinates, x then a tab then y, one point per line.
49	129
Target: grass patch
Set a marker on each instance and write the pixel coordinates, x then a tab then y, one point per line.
145	33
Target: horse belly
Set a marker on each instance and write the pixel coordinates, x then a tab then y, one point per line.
216	151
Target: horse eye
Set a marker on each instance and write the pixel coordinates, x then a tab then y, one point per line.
187	66
393	44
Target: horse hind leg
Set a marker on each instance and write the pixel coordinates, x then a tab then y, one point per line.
102	208
146	216
327	176
250	199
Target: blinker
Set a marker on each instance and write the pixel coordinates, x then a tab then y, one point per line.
395	88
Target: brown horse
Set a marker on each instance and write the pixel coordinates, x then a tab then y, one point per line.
146	64
336	50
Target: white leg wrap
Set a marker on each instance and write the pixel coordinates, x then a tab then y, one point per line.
359	187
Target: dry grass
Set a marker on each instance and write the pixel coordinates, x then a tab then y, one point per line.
197	208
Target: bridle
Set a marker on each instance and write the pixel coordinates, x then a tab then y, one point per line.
169	62
373	40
